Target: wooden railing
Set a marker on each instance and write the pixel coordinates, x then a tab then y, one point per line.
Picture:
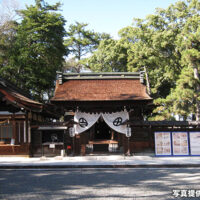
103	142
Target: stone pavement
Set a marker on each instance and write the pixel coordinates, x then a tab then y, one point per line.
109	161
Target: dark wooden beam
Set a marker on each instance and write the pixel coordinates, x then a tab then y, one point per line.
100	106
164	123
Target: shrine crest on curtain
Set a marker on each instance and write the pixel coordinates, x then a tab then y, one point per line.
87	120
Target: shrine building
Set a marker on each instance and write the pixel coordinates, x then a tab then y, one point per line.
91	114
17	112
100	107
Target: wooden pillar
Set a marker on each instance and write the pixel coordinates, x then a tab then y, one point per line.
14	134
128	151
119	139
92	132
125	144
112	134
83	149
26	137
77	144
26	128
42	147
149	136
83	141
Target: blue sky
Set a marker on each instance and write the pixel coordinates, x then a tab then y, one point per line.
106	15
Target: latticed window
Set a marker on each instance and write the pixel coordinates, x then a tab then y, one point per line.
20	132
13	134
6	133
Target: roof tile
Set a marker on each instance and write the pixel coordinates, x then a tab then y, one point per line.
101	90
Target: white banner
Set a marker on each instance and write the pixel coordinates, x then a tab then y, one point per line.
87	120
115	120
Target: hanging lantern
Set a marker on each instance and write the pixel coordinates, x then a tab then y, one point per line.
71	131
128	131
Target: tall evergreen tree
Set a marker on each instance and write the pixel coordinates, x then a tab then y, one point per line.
38	50
167	43
81	42
8	25
111	56
189	46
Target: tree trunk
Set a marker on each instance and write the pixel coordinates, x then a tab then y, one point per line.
148	83
196	76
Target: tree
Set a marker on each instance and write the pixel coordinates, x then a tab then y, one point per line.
70	65
7	32
181	100
8	12
81	42
38	50
152	46
183	97
166	43
111	56
189	45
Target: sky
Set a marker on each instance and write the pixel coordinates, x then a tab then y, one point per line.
107	16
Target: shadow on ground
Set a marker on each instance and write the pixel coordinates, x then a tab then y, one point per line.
96	183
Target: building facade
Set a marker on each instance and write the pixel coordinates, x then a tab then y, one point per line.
102	105
17	112
99	113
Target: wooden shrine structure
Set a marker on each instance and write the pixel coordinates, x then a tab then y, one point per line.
102	97
17	111
104	93
27	127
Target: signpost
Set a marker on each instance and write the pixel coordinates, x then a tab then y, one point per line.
163	143
180	143
194	143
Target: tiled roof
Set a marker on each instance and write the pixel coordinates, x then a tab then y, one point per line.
14	96
14	99
101	87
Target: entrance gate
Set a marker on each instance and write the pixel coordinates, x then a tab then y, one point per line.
101	139
103	129
101	135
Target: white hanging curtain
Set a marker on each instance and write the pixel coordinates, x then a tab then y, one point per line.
85	121
115	120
